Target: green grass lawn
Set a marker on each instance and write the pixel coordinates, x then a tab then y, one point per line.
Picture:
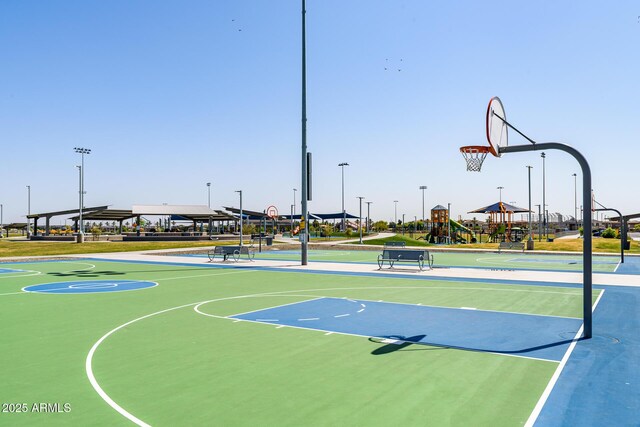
178	367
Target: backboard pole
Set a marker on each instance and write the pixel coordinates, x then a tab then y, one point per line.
587	247
623	232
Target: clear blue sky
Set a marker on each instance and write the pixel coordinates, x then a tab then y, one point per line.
170	95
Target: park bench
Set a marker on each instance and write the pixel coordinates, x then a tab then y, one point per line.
394	244
511	245
405	255
227	252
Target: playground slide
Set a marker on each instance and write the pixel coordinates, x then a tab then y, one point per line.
455	225
296	231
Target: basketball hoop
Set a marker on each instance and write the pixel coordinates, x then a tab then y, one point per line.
474	155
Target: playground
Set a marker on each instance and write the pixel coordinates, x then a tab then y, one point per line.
170	339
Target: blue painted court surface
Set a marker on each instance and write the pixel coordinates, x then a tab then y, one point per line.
525	335
90	286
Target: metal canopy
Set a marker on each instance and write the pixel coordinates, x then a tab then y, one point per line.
184	210
499	207
250	214
67	212
105	215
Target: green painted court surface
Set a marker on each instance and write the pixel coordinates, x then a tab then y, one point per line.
170	365
603	264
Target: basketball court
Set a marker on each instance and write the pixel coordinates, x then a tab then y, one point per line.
179	340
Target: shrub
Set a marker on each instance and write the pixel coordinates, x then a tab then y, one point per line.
609	233
581	231
380	226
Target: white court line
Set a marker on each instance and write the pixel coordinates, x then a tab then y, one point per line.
556	375
617	265
278	306
33	273
309	318
14	293
411	342
342	315
92	378
484	310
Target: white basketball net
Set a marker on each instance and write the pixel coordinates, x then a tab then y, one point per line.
474	158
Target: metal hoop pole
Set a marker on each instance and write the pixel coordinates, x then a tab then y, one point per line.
587	227
623	229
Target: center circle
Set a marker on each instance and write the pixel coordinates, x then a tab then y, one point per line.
89	286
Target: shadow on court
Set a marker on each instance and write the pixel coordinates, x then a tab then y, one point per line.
86	273
93	273
395	343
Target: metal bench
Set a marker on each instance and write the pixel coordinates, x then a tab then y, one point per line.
405	255
395	244
227	252
511	245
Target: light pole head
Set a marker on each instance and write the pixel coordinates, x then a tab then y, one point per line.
543	155
208	184
423	187
81	150
574	175
343	164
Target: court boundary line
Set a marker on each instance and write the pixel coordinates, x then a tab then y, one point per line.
533	417
275	306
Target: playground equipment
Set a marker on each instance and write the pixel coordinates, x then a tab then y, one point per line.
500	221
457	229
444	229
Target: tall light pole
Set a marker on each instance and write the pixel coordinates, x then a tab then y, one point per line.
292	210
360	197
304	171
82	152
344	213
544	202
294	201
449	222
28	211
209	195
2	222
530	240
241	215
368	215
396	213
539	224
423	187
575	199
500	189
